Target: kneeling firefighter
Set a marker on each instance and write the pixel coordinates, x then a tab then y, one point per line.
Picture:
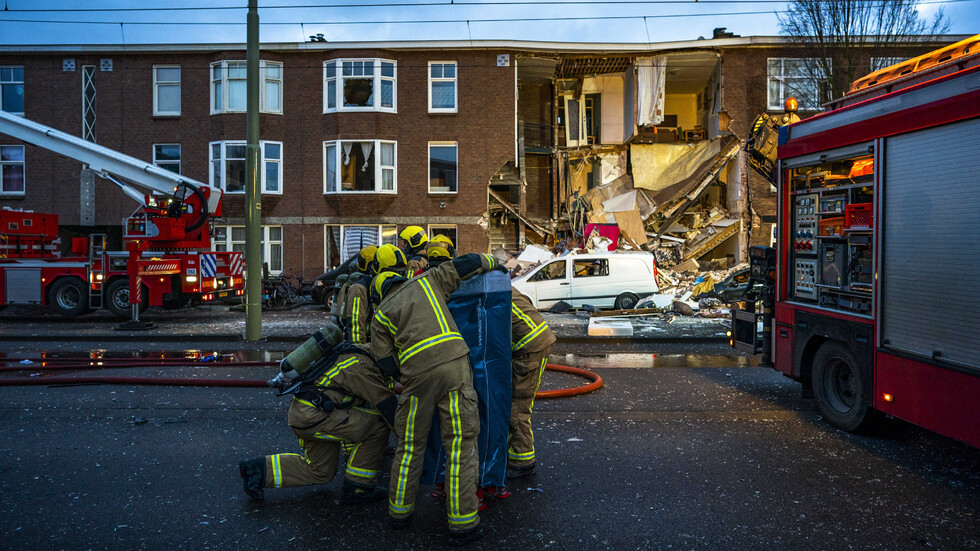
530	347
339	395
414	336
413	240
356	310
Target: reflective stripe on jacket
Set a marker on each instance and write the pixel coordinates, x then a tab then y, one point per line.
529	331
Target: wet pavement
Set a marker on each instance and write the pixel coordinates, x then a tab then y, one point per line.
212	323
686	447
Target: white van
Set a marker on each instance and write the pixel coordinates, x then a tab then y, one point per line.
611	280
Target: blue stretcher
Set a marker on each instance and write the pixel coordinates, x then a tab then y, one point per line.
481	309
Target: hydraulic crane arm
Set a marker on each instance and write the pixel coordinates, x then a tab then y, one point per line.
110	164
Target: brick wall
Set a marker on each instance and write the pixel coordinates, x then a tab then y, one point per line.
483	128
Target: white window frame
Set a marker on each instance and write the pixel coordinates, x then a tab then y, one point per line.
12	82
264	79
785	90
163	163
23	163
158	84
338	80
454	80
268	245
428	165
222	181
392	239
378	167
453	227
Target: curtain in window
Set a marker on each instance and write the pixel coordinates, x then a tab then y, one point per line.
650	78
357	237
366	148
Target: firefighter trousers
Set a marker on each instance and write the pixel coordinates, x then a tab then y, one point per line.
528	369
448	390
321	436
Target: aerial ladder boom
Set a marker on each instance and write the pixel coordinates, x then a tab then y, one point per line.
190	197
177	224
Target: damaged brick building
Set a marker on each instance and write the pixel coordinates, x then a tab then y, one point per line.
496	143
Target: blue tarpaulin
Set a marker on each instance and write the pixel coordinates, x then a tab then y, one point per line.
481	308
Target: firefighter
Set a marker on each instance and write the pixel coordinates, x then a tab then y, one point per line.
413	240
347	400
356	309
532	340
444	241
389	258
338	298
414	336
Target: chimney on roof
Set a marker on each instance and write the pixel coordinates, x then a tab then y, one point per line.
720	32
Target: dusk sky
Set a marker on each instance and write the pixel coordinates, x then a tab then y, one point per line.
85	21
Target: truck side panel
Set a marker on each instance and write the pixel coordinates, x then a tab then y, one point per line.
930	295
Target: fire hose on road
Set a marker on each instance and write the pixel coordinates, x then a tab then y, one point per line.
65	364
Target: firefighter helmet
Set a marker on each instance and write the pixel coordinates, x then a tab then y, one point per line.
389	258
444	241
341	279
434	252
365	258
382	285
414	236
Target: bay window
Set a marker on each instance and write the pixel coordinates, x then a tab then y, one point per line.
359	85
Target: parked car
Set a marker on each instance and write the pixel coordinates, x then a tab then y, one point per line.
610	280
731	288
323	285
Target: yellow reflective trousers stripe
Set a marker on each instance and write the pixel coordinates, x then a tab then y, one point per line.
356	322
398	506
454	454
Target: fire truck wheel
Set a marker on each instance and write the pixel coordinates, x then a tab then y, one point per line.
117	299
68	297
839	387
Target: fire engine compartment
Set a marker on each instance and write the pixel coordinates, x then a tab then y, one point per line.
831	256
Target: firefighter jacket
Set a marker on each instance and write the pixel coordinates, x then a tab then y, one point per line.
416	265
353	381
529	331
413	324
356	310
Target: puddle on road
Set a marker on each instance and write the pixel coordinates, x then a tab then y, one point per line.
210	357
599	361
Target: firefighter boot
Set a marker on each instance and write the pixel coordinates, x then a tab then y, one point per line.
399	523
355	493
253	474
459	539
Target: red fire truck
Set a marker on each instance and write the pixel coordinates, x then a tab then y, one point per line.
871	297
167	261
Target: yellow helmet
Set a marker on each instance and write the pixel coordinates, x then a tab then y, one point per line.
437	252
389	258
382	284
442	238
415	237
365	258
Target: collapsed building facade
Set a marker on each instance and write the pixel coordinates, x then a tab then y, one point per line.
495	143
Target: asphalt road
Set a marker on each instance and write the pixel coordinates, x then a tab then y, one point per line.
693	448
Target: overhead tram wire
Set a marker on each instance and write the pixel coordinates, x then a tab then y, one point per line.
445	3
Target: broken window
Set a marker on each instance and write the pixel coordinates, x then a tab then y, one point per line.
358	85
361	166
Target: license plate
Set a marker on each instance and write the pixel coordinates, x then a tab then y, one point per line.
222	294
